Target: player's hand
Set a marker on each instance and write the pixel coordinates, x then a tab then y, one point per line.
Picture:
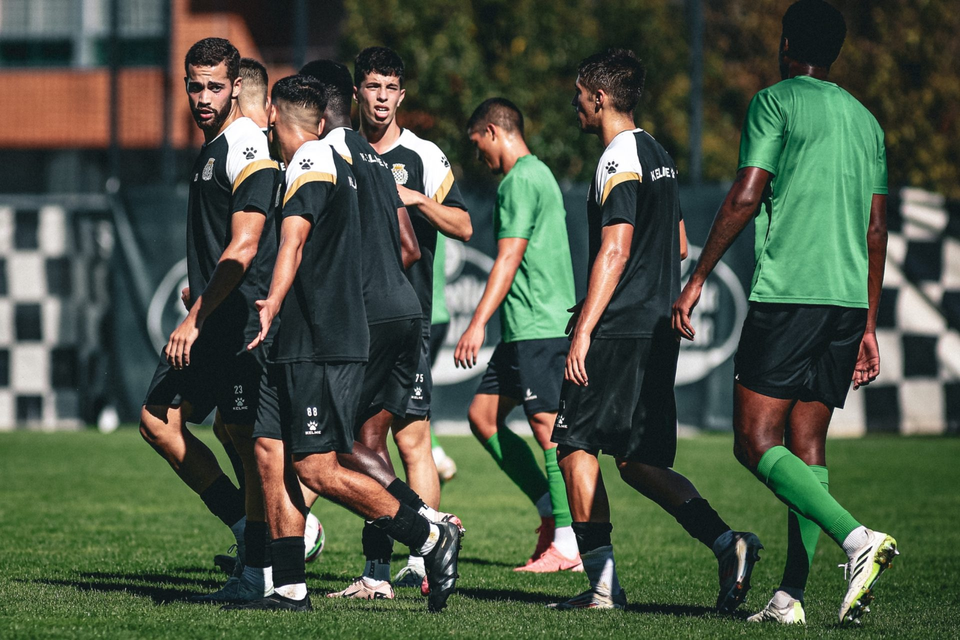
868	362
470	342
181	341
268	311
576	370
572	322
409	196
185	297
682	309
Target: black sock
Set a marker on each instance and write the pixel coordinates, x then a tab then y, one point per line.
699	519
592	535
256	538
408	527
288	563
224	500
377	545
237	464
404	494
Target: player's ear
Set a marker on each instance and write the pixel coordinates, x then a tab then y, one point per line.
491	130
403	93
355	98
321	126
237	84
599	99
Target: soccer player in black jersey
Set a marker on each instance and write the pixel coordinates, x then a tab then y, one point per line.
312	390
617	395
426	185
231	244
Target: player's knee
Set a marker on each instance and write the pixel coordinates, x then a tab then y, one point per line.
747	451
153	424
319	472
480	423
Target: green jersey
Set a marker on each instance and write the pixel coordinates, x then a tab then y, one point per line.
440	313
826	154
530	206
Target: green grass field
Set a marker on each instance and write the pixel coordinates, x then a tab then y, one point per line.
99	539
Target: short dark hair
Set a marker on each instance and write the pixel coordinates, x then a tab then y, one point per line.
815	31
301	91
210	52
336	81
254	74
619	73
498	111
382	60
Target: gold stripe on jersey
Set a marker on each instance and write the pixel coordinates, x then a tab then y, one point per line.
309	176
347	159
252	168
445	187
617	179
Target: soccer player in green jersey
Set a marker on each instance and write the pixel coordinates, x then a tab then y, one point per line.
531	282
813	172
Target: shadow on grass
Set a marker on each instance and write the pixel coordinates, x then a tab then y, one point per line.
150	585
676	610
486	563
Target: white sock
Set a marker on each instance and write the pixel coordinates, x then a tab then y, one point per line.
545	506
373	583
565	540
601	569
854	540
785	596
429	513
438	454
376	570
417	561
723	541
296	591
267	581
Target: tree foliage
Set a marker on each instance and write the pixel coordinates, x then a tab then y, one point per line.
899	60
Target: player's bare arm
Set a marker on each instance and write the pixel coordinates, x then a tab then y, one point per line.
409	247
868	362
509	255
293	235
450	221
294	232
737	209
245	228
683	241
615	241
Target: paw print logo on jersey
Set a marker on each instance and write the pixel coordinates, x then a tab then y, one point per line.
249	153
445	162
418	393
611	167
400	174
305	164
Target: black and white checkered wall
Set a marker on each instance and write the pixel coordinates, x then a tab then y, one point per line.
54	292
918	327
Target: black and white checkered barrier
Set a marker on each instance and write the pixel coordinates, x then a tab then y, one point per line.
918	391
54	296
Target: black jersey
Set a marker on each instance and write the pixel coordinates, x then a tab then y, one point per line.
232	173
323	318
387	293
636	183
420	165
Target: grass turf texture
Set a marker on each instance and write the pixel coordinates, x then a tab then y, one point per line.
99	539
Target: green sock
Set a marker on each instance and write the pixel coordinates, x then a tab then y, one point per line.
513	455
798	486
434	443
802	537
558	490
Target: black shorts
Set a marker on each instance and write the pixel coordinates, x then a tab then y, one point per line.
417	387
214	380
799	351
528	371
628	410
388	377
312	406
